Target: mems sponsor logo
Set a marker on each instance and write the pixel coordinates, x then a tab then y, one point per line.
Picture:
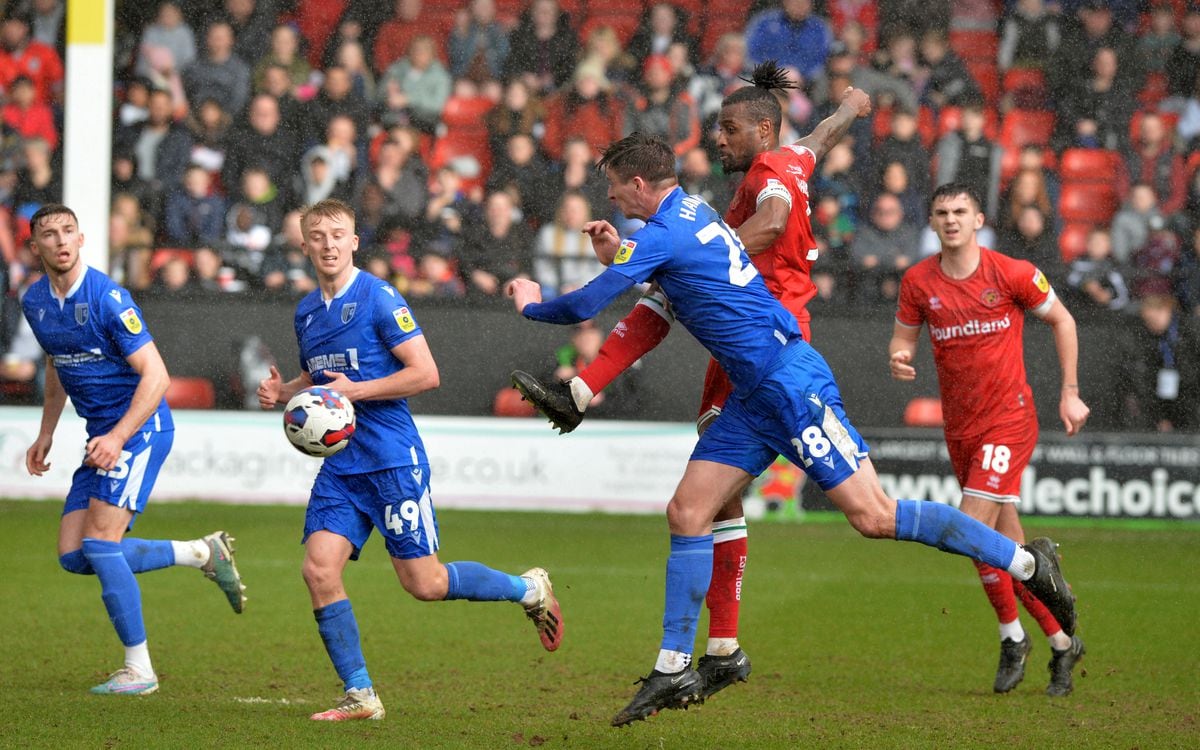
335	361
970	328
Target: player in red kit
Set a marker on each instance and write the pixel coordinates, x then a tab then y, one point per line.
973	301
770	213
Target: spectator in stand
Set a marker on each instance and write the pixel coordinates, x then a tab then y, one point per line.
1032	158
1183	66
949	83
1190	218
1155	161
285	266
175	277
845	69
135	107
318	179
662	25
336	97
563	259
251	22
497	250
1131	225
1155	262
219	75
882	249
136	241
277	82
1096	278
164	75
1188	274
207	267
194	215
284	52
396	34
895	181
257	190
588	108
163	148
1029	38
725	73
834	233
478	44
436	278
966	155
1030	238
792	35
1160	369
903	144
48	24
525	174
125	179
836	178
415	88
1155	46
1095	30
518	112
578	173
210	127
451	207
22	56
402	177
1026	190
542	48
247	238
261	141
350	57
697	177
27	116
898	58
170	32
603	48
660	109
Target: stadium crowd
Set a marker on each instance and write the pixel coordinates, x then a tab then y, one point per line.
464	134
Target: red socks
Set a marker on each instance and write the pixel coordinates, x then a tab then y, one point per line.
724	598
998	585
637	333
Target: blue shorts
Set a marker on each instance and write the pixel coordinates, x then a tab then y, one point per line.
795	412
129	483
395	501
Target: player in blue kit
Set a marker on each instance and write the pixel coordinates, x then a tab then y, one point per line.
100	354
358	337
784	402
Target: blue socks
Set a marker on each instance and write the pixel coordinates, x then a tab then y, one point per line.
950	530
479	583
339	631
118	589
689	570
142	555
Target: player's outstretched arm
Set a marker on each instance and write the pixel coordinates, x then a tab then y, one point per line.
901	350
855	103
52	407
103	451
419	374
1071	409
272	389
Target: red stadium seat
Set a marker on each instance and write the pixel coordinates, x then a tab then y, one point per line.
460	112
717	25
1088	165
924	411
1088	202
951	117
988	78
1072	242
191	393
508	403
162	255
1024	78
622	23
975	46
1021	127
1153	91
1193	163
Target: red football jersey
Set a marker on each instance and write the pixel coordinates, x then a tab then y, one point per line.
975	325
785	265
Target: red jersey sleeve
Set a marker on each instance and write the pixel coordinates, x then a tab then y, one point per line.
1027	285
908	309
764	181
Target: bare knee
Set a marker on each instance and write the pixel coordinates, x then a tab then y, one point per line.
872	524
687	519
429	586
320	579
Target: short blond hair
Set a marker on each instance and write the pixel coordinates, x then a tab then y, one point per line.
329	208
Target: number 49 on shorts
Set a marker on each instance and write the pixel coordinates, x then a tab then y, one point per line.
395	521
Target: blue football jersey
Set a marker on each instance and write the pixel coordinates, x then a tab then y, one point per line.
354	334
87	337
715	291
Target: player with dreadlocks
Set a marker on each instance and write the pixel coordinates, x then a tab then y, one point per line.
770	212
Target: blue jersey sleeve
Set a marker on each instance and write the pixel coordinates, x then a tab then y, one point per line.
393	320
123	322
581	304
647	250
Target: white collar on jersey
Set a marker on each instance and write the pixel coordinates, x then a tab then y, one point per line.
74	287
345	287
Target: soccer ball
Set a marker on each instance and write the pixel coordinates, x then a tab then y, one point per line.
319	421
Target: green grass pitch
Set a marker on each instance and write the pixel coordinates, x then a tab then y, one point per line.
855	644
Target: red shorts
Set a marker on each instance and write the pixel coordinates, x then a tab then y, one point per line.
717	386
990	465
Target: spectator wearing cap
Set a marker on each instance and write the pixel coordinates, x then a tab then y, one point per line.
218	74
542	47
792	36
26	115
587	108
415	88
22	56
661	109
